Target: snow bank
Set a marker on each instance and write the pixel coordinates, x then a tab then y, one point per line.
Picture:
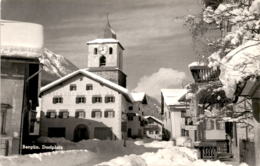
155	144
164	157
64	158
108	146
112	153
175	156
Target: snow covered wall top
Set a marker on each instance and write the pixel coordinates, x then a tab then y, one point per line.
21	39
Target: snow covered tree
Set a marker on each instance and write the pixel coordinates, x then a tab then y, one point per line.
237	53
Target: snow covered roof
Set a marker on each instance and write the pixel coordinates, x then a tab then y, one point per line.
156	119
172	96
195	64
93	76
104	40
21	39
139	97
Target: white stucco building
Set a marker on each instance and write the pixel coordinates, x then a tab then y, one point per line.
83	105
92	102
174	111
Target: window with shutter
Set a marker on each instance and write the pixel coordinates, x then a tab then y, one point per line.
96	99
51	114
96	114
80	99
73	87
89	87
109	114
57	99
64	114
109	99
80	113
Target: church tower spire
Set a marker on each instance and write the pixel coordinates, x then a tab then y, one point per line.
108	31
105	57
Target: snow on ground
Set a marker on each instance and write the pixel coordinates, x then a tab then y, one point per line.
112	153
64	158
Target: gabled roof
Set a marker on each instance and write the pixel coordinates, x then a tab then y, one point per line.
139	97
172	96
154	118
92	76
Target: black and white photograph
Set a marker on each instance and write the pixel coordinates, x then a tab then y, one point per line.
130	82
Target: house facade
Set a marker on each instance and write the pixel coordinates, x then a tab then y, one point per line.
135	118
20	82
83	105
91	102
214	135
154	128
174	112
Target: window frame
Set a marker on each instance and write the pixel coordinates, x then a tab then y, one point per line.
49	113
72	87
78	99
220	124
57	100
77	113
62	111
109	99
107	111
130	118
89	87
96	97
93	113
210	124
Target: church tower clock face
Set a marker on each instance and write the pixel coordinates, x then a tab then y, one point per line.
102	49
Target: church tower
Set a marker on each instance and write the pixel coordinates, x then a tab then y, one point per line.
105	57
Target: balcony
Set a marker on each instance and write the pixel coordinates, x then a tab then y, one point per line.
204	74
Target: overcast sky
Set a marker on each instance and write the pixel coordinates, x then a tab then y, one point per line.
158	46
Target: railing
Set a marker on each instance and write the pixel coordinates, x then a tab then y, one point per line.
204	74
209	152
212	150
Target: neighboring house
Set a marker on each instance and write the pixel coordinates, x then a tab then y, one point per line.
92	102
214	136
21	46
173	111
153	128
135	112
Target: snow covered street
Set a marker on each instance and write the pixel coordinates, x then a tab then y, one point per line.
113	153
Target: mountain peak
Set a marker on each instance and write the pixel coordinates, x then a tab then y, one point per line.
54	66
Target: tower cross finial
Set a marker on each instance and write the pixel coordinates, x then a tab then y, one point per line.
108	19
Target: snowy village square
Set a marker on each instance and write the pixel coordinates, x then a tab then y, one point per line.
130	83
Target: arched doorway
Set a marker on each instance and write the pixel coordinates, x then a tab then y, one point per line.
81	132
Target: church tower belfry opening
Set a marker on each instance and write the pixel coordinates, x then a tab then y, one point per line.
105	56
